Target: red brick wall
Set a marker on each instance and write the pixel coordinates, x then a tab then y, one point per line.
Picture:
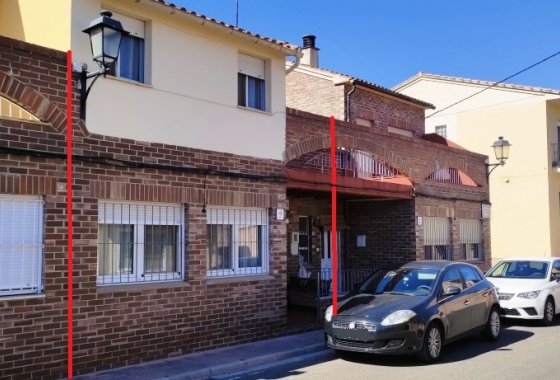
118	325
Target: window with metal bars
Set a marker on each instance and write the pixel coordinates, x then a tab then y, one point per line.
470	239
437	238
21	245
140	242
237	241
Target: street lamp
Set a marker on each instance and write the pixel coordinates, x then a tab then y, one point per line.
105	35
501	150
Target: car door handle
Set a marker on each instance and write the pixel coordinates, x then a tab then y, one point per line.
467	302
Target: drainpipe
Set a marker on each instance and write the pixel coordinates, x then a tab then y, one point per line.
348	100
296	63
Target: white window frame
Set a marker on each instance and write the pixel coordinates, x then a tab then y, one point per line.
139	215
255	68
235	217
470	236
437	238
21	233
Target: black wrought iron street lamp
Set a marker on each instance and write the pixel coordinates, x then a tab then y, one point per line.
105	35
501	150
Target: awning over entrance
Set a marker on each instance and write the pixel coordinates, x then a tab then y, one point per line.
396	188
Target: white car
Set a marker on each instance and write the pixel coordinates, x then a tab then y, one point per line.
528	288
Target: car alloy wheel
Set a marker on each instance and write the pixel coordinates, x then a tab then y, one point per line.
493	325
548	317
433	342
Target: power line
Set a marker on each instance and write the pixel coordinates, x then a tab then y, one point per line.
495	84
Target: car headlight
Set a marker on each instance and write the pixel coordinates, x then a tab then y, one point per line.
530	295
400	316
328	314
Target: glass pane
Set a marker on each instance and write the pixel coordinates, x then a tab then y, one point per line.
115	249
131	59
250	246
219	246
241	93
255	93
160	249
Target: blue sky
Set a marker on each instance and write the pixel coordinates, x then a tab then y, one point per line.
387	41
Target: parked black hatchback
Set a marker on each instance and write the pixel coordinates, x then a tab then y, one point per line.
415	309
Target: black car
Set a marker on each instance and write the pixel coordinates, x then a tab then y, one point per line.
415	309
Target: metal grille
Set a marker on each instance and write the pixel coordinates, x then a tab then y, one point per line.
437	238
470	238
354	163
369	326
505	296
140	242
237	242
452	175
21	244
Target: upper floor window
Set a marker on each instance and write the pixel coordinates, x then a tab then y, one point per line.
251	87
441	130
21	244
131	62
139	242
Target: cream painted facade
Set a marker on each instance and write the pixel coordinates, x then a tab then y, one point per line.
189	97
525	192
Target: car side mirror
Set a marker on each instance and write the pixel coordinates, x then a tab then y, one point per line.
451	291
556	276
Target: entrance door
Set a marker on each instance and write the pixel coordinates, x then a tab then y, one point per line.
326	254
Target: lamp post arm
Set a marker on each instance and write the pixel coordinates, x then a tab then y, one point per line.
85	89
493	166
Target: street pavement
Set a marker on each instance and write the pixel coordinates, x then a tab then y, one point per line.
208	364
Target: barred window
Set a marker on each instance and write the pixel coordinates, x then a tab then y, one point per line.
437	238
140	242
470	239
21	244
237	241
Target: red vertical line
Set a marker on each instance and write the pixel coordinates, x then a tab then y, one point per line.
333	221
69	200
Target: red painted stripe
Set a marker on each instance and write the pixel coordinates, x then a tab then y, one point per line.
69	200
333	220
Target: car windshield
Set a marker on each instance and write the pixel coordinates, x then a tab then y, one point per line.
409	281
519	269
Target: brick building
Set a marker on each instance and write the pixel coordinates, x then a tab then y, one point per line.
402	195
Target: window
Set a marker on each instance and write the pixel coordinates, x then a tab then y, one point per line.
470	275
237	241
437	238
21	245
304	245
470	239
452	278
251	82
441	130
139	242
131	62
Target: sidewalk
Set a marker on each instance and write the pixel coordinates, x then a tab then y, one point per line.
204	365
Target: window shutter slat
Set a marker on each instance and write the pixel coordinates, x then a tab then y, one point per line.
251	66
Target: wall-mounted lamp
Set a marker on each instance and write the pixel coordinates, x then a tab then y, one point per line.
501	150
105	35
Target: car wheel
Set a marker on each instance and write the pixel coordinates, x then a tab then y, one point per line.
493	325
548	317
432	344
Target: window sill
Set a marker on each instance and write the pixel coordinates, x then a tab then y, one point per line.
236	279
20	297
129	81
255	110
114	288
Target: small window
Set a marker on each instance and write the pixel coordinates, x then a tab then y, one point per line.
237	241
470	239
21	245
251	82
437	238
441	130
470	275
452	278
139	242
131	61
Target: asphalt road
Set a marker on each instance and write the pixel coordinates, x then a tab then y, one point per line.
523	351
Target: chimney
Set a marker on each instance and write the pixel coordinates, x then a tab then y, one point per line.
310	52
